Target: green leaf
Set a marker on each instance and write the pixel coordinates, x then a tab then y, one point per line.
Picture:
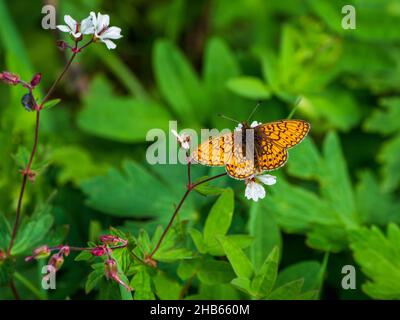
336	186
387	119
94	277
265	232
215	272
33	230
370	196
76	164
126	194
249	87
51	103
379	259
141	283
197	238
289	291
264	279
177	81
389	156
238	260
243	284
309	271
166	288
116	118
219	219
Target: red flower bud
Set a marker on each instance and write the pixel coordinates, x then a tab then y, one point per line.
9	78
62	45
98	251
36	79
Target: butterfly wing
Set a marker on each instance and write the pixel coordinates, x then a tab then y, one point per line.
242	164
270	156
216	151
284	133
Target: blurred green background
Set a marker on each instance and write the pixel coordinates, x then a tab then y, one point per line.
188	61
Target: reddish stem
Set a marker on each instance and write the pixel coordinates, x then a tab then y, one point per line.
190	187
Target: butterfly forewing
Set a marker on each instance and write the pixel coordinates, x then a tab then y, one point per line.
284	133
216	151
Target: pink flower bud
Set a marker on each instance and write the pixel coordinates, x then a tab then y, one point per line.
98	251
9	78
39	253
110	268
110	239
56	261
36	79
62	45
111	272
65	250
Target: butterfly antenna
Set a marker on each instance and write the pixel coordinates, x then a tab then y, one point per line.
227	118
254	110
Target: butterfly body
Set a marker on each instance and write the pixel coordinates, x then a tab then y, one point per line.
252	150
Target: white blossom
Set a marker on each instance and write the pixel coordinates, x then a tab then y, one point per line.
183	139
103	31
71	27
254	188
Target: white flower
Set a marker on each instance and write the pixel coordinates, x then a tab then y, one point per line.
254	189
183	139
77	29
253	124
103	31
239	127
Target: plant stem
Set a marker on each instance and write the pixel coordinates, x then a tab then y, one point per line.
14	290
50	92
26	171
190	187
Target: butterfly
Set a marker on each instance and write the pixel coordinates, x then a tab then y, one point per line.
252	150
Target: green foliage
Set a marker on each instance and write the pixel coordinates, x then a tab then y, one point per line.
189	62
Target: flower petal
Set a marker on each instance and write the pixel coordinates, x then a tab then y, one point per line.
239	127
255	124
87	26
254	191
267	179
103	21
109	44
112	33
64	28
71	23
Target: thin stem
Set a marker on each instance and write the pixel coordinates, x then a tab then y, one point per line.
190	187
50	92
14	290
26	172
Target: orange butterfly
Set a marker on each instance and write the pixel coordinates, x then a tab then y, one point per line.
252	150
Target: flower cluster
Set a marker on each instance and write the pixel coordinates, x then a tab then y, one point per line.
108	243
96	26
